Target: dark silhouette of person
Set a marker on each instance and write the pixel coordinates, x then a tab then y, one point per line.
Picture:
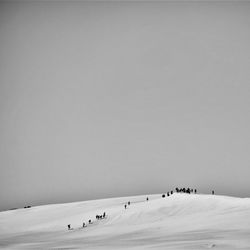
213	192
172	192
147	199
195	191
83	224
167	193
163	196
104	214
129	203
89	221
69	227
125	206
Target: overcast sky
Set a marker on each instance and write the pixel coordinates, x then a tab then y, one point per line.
112	99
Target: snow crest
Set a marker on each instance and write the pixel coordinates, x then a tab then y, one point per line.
180	221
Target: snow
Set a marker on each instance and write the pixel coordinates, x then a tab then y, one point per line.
180	221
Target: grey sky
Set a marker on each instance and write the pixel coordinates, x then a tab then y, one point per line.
111	99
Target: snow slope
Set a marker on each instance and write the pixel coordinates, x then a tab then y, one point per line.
181	221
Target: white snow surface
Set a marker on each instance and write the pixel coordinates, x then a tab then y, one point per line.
180	221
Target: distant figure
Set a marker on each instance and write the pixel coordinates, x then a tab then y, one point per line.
163	196
89	221
100	216
172	192
69	227
167	193
147	199
83	224
195	191
125	206
104	214
97	217
129	203
213	192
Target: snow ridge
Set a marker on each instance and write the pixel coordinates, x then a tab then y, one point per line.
179	221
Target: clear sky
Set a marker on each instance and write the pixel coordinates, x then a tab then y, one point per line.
111	99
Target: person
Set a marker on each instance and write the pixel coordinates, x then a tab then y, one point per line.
89	221
129	203
125	206
147	198
213	192
195	191
104	214
69	227
83	224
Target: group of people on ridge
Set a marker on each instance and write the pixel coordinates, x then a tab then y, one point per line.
185	190
181	190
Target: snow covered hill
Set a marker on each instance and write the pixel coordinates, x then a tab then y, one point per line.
180	221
